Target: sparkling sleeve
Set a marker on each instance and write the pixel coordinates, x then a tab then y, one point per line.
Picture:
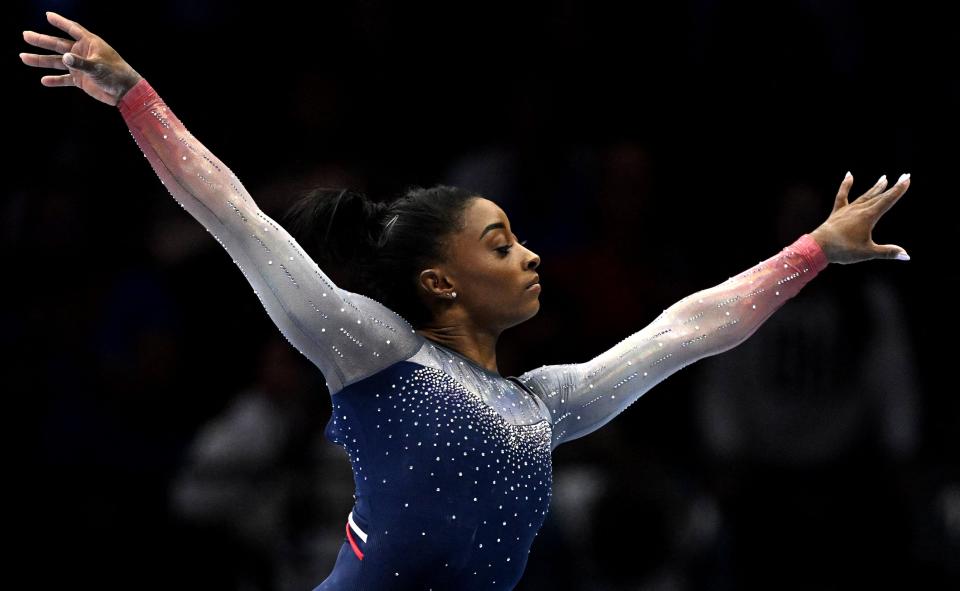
583	397
348	336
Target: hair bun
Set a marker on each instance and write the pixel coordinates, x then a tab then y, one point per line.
342	224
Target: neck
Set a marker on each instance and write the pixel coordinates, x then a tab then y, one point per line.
476	344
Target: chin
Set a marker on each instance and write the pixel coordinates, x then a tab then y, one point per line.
521	319
536	308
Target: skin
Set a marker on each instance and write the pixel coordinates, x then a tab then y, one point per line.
490	275
96	68
845	236
491	294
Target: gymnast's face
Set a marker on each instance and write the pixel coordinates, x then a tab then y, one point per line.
489	269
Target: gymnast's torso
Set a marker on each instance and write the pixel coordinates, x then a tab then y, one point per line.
451	463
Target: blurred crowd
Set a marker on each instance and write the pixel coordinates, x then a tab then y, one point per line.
176	439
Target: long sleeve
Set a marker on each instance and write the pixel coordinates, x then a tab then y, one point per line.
348	336
583	397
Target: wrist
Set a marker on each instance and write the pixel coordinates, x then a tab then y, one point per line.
819	236
129	81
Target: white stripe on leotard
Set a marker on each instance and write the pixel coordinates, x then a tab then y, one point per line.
359	531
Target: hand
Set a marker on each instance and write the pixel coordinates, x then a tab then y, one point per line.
845	236
94	66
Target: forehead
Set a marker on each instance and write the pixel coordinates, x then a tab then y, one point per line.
481	213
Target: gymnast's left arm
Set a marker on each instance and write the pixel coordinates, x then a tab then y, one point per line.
582	397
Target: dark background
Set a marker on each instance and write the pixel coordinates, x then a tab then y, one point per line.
645	150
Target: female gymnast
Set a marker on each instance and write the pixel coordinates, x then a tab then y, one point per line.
451	460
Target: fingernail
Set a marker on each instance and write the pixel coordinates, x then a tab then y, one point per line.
848	175
882	179
902	256
902	178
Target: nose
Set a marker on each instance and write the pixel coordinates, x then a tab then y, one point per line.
533	262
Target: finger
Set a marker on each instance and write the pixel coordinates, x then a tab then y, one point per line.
55	81
48	42
884	202
891	251
74	62
43	61
72	28
841	200
873	191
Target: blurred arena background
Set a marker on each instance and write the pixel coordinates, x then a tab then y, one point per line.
171	437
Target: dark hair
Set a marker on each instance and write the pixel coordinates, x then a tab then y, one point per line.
380	247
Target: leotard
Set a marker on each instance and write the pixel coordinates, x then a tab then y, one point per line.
451	461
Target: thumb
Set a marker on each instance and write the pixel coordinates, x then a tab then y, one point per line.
892	251
76	62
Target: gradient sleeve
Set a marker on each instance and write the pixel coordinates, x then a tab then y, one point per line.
348	336
583	397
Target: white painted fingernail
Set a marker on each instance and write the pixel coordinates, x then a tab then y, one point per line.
902	256
882	179
848	175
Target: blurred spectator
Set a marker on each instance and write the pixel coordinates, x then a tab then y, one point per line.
249	492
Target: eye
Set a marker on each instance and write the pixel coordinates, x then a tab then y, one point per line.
505	250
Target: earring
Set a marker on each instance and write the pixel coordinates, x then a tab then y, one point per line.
453	294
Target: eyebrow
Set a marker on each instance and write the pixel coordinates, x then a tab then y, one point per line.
491	227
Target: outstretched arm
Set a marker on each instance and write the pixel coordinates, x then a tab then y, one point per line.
347	335
583	397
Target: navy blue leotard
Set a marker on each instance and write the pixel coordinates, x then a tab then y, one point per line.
451	461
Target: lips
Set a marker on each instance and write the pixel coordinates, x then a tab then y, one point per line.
534	282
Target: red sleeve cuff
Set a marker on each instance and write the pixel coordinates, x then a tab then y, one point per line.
811	252
138	97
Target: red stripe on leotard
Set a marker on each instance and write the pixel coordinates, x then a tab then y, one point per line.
353	544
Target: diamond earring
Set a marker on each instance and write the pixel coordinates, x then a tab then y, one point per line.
453	294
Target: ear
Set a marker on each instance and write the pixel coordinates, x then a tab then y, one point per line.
434	282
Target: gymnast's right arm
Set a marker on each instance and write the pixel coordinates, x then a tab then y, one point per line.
347	335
